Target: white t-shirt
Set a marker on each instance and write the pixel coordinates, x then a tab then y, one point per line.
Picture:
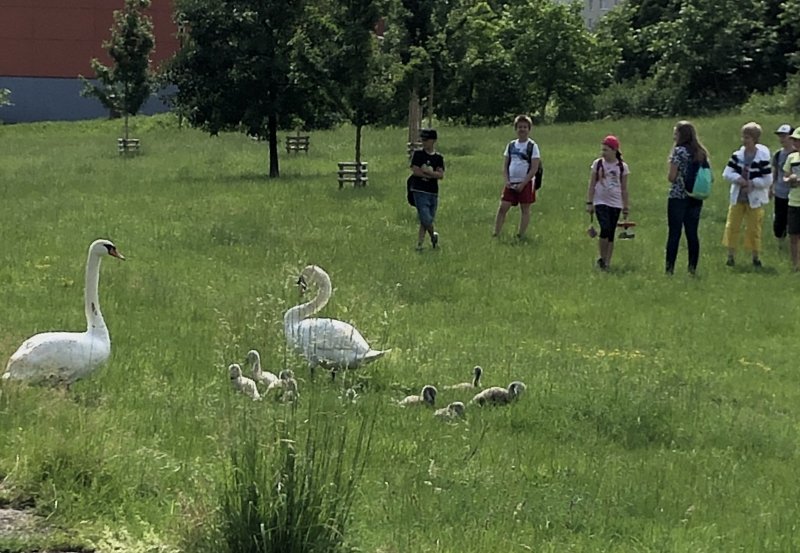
608	190
519	166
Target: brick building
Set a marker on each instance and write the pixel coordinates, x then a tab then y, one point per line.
46	44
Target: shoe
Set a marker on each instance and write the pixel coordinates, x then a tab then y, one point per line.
435	240
601	264
731	262
419	247
692	270
670	270
757	263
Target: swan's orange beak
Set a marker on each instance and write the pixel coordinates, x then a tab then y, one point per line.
115	253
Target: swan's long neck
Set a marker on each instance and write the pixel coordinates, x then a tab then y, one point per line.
304	310
94	318
257	367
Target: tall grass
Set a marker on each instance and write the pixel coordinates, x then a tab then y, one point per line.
291	492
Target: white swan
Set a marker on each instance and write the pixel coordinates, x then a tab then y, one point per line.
264	377
329	343
64	357
241	383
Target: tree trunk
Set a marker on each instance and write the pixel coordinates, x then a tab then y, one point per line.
543	113
272	129
414	116
430	102
126	130
358	155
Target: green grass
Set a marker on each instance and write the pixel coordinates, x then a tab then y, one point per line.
661	413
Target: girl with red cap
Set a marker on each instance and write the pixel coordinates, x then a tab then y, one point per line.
608	195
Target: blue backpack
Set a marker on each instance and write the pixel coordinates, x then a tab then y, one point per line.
698	180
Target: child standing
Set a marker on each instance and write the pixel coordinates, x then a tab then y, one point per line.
780	189
791	170
427	168
750	176
521	163
608	196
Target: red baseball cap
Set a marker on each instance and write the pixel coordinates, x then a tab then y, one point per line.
612	142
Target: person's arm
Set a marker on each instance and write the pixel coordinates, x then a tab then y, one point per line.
590	191
730	174
506	165
788	175
532	171
764	180
623	185
672	173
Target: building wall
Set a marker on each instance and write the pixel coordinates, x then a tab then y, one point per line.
593	10
46	44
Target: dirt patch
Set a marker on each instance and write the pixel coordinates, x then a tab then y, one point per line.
16	524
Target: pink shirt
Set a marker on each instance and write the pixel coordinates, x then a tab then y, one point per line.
608	190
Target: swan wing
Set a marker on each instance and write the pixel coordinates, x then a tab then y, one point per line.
332	342
58	357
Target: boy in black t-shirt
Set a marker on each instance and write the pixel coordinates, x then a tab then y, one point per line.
427	168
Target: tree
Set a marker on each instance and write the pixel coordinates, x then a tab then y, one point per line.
480	81
125	86
235	68
556	58
362	80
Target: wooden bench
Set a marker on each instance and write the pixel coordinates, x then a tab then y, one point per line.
129	146
348	173
413	147
297	143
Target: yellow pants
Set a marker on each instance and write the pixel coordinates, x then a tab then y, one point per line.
753	219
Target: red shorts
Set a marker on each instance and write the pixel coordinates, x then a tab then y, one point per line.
524	195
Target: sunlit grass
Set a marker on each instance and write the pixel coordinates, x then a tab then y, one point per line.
661	413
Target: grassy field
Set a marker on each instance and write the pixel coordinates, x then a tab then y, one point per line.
661	413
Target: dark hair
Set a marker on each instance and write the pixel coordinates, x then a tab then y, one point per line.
686	136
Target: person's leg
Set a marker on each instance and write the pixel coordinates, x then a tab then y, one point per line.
500	219
676	209
730	238
421	200
779	222
524	219
754	223
433	207
691	222
612	224
793	224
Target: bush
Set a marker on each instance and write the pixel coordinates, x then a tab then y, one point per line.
293	495
772	102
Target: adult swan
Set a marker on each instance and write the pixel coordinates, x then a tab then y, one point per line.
328	343
64	357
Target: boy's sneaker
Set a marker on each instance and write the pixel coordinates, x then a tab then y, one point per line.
419	247
601	264
731	262
435	240
757	263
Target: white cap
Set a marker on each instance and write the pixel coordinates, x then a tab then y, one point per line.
784	129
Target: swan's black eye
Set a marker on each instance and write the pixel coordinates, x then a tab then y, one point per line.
111	249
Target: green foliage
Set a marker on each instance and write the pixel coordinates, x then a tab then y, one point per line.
235	67
479	76
292	492
125	86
